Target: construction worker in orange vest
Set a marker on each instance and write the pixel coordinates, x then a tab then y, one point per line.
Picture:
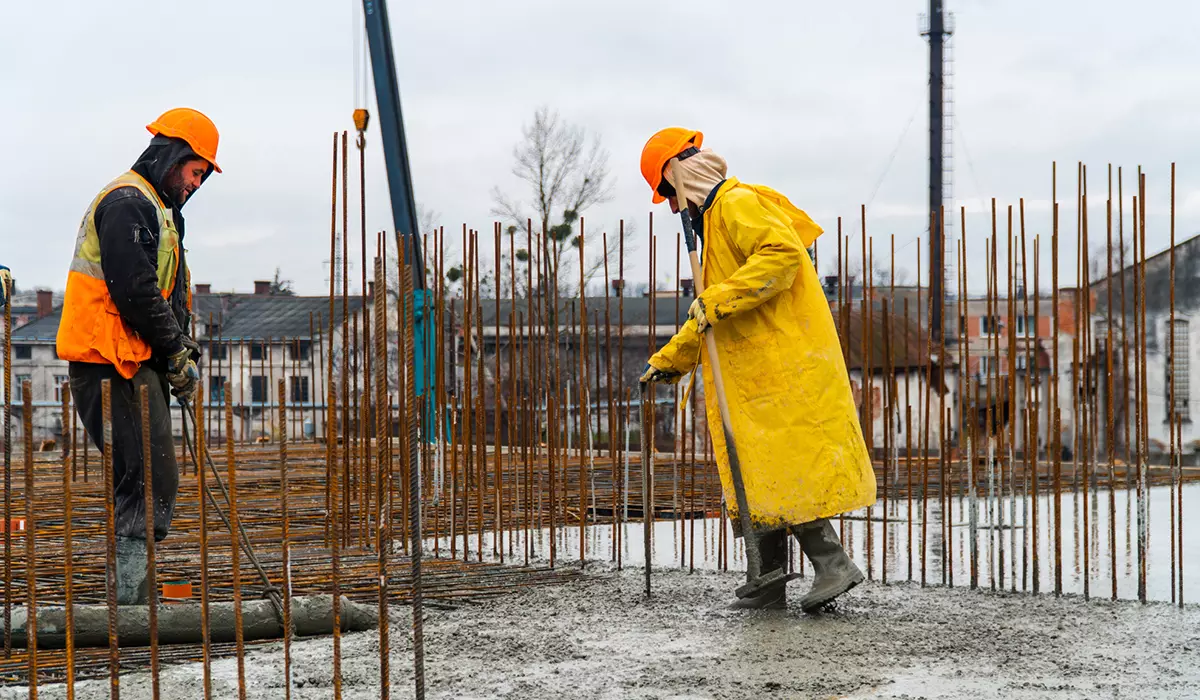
126	318
792	414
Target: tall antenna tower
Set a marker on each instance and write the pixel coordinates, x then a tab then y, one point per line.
935	27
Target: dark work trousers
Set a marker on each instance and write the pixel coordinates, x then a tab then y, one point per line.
128	488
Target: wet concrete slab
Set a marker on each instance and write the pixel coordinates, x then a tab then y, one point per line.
599	637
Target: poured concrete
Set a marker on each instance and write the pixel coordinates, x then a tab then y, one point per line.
600	638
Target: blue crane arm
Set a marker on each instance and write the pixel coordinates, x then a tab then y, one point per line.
400	189
391	128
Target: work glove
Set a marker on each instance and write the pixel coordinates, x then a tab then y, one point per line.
697	312
5	284
661	376
182	374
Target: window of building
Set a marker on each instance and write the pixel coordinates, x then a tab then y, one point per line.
299	350
18	392
22	352
258	389
1022	361
59	380
217	352
258	351
1179	369
989	325
1026	326
299	389
213	329
216	388
985	366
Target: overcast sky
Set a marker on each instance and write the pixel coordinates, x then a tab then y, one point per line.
812	99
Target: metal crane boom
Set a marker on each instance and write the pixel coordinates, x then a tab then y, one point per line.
391	127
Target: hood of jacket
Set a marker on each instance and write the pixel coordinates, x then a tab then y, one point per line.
156	161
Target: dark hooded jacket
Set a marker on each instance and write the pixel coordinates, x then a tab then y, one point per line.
128	230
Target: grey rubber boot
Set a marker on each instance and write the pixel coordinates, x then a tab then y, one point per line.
834	572
131	571
773	546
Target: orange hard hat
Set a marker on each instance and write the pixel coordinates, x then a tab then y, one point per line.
661	148
193	127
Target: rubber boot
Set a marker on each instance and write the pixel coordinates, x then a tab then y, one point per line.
773	547
834	572
131	571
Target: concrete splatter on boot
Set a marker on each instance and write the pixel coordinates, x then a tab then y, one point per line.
773	547
834	572
131	571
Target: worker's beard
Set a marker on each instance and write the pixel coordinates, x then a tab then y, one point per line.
174	187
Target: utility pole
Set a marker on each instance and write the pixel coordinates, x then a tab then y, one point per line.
937	32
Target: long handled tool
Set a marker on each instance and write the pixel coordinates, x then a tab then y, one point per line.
756	579
647	437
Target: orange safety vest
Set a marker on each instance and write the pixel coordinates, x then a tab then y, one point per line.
91	329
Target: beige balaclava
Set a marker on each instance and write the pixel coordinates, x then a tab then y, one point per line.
695	177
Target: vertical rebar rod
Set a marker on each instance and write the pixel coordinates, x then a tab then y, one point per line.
8	588
972	394
149	513
1035	578
1030	426
677	422
467	405
330	428
498	452
1011	413
584	422
624	478
944	464
1109	393
480	446
513	413
202	500
1175	425
31	637
993	386
908	453
1143	568
440	383
110	532
867	384
68	553
650	412
414	486
347	350
925	439
1085	324
285	553
888	406
234	549
383	443
1056	410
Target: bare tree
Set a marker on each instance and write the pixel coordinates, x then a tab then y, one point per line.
565	172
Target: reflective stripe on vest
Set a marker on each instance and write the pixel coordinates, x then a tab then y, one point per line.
91	329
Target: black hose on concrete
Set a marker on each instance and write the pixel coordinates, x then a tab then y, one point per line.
180	623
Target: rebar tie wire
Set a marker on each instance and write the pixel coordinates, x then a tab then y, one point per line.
270	591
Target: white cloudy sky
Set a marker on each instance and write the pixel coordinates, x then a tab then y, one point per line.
810	98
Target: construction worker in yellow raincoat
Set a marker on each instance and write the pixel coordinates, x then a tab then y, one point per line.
803	457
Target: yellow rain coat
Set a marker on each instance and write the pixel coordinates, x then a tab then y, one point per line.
797	432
